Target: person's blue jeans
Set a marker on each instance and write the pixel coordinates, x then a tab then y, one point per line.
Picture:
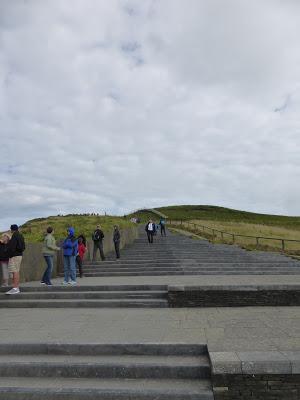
70	268
48	271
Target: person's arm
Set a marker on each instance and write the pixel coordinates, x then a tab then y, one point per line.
50	243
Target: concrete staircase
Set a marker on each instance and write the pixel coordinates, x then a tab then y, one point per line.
104	371
87	297
179	255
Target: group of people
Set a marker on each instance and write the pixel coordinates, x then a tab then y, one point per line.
74	248
12	246
151	229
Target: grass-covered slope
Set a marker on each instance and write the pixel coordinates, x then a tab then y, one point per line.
34	230
213	213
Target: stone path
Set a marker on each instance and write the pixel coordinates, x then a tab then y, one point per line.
90	353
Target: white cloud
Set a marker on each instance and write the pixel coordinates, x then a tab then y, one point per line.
121	104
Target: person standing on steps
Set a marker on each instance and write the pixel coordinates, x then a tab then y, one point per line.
80	255
150	229
117	240
70	248
49	249
4	258
16	248
162	224
98	237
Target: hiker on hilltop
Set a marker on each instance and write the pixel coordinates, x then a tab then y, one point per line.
70	248
151	230
4	258
98	237
117	240
80	255
49	249
162	224
16	248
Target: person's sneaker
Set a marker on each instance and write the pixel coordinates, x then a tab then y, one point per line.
73	283
64	283
43	283
4	285
49	284
14	290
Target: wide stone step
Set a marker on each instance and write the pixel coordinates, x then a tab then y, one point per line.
90	288
53	294
104	389
118	366
12	302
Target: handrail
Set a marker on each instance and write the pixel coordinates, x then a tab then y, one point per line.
234	235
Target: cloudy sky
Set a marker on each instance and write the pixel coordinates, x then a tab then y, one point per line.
115	105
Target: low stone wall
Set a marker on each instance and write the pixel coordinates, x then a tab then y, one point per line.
256	375
33	264
233	296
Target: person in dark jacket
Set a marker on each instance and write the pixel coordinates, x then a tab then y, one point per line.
98	237
117	240
70	249
4	258
150	229
162	224
16	248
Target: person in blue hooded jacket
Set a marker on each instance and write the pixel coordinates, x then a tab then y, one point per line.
70	249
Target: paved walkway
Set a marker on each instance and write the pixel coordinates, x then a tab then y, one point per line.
224	329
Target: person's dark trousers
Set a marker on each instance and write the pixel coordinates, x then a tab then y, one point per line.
79	263
150	237
48	272
163	230
117	249
98	245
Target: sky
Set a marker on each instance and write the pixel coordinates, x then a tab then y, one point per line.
111	106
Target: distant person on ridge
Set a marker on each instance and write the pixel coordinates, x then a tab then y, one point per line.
70	248
162	224
16	248
150	229
4	258
49	249
116	240
80	255
98	237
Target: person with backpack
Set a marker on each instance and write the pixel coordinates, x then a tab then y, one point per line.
16	248
49	249
98	237
162	224
80	255
151	230
4	258
70	249
117	240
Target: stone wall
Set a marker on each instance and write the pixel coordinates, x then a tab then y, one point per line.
33	264
232	296
256	375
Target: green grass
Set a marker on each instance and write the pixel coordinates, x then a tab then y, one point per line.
34	230
213	213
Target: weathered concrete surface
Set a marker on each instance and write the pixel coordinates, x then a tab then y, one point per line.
223	329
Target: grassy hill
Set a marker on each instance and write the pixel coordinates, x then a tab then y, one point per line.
34	230
235	222
214	213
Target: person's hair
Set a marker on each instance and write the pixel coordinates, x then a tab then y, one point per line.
5	235
49	229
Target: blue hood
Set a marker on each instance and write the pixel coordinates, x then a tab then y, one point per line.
71	231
